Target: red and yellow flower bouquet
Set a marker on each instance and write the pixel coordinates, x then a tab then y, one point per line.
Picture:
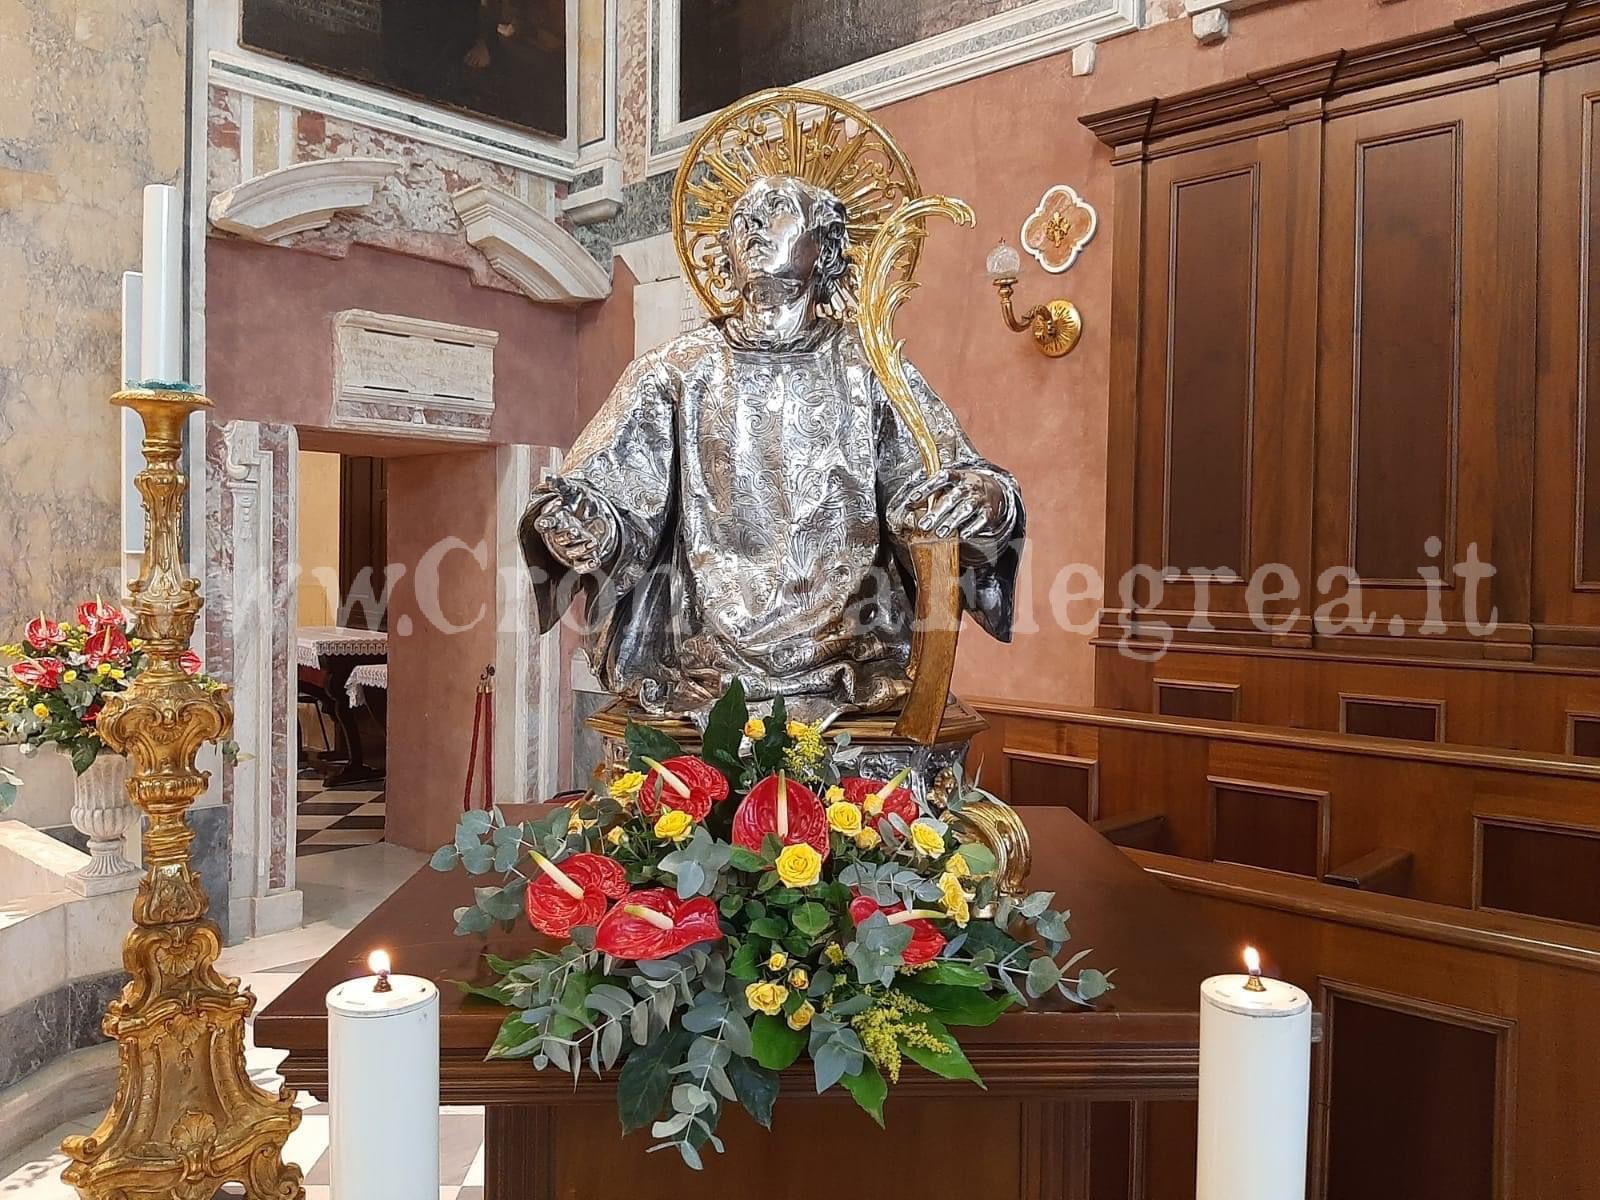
722	915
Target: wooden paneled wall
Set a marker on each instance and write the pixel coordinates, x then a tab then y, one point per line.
1475	828
1351	333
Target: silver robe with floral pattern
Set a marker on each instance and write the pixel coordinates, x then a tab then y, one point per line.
750	489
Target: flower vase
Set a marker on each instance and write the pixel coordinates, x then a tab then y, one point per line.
102	813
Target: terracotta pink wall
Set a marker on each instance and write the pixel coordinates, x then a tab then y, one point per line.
433	671
269	333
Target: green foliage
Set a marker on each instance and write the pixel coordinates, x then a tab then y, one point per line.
869	1089
644	742
949	1062
776	1046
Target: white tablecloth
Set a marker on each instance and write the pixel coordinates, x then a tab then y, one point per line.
316	643
367	675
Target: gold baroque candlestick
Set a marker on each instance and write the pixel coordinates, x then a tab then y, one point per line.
185	1118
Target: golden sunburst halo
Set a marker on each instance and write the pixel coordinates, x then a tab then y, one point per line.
821	139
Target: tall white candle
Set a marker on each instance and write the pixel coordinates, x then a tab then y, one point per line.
1255	1088
383	1087
161	328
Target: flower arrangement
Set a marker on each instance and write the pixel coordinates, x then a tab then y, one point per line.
63	672
722	916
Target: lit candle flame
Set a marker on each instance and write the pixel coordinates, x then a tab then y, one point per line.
1252	960
378	962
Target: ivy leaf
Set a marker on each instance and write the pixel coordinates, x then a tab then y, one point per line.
646	742
744	963
811	918
870	1090
756	1087
746	860
774	1044
646	1078
950	1063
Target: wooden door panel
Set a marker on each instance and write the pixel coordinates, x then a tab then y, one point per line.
1413	461
1566	558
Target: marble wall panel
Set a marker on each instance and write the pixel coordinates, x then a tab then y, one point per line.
91	109
57	1022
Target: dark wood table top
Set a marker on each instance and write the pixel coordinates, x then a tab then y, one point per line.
1140	1040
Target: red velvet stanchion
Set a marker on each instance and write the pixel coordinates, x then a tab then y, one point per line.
482	720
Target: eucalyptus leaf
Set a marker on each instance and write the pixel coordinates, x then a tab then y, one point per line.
445	858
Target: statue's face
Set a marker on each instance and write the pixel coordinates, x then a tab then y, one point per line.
771	234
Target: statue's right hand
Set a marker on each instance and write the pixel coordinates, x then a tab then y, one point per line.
577	529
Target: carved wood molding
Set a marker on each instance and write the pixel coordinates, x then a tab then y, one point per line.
528	248
299	197
1472	41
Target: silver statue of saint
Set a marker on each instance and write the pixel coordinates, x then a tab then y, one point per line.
741	504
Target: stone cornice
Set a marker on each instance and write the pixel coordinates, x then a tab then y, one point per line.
299	197
529	248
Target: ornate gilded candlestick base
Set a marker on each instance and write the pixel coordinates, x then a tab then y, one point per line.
185	1118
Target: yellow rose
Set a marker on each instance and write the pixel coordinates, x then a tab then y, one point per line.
755	729
674	825
69	677
41	711
926	840
799	865
799	980
797	729
845	818
103	669
873	803
834	794
626	787
616	835
801	1017
136	642
868	839
117	672
766	997
958	867
955	899
778	961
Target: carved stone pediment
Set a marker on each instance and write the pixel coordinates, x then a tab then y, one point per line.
299	197
529	248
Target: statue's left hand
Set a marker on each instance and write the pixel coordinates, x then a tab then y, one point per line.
953	503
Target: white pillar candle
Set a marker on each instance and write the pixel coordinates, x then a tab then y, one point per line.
383	1087
1255	1088
161	324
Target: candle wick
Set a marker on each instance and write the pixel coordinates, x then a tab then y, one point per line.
1254	984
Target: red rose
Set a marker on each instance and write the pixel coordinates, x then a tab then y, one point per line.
927	943
758	816
707	786
626	934
190	662
554	910
95	615
42	633
899	802
110	645
39	672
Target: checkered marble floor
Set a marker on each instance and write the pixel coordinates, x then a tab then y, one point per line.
340	890
336	819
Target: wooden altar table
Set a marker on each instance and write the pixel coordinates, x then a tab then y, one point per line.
547	1139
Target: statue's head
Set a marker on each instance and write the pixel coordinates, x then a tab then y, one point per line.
787	232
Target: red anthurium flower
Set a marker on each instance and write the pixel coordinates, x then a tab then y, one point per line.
653	923
689	784
39	672
95	615
799	818
927	943
42	633
896	800
109	645
190	662
552	906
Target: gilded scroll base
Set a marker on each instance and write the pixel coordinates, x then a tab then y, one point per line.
185	1118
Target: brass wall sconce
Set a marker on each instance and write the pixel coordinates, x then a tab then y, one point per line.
1056	326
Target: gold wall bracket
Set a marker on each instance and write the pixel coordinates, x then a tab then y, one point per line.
1056	326
185	1118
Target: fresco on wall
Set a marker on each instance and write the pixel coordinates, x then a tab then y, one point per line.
728	48
502	59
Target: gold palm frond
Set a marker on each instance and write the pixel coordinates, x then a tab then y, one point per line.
827	142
